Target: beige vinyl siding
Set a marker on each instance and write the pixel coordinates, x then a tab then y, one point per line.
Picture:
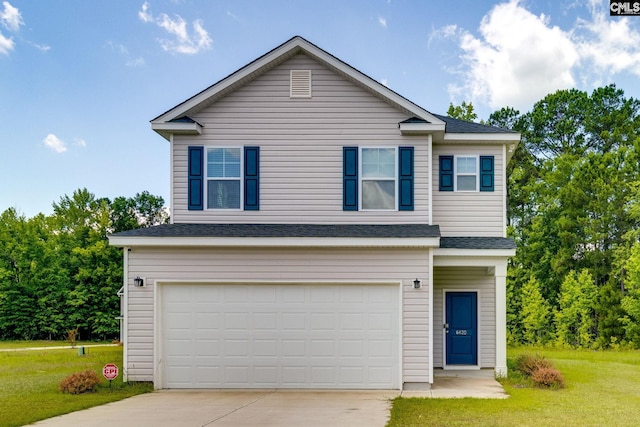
301	143
287	266
469	213
471	279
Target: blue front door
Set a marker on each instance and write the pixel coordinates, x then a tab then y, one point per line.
461	328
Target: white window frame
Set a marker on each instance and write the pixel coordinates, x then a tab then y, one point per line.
208	178
456	174
361	179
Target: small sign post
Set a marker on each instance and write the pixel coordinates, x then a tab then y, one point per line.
110	372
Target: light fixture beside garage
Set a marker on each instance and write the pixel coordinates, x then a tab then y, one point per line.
417	284
138	281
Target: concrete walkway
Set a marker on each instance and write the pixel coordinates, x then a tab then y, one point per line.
269	408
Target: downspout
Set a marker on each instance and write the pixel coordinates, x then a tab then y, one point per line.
125	322
431	326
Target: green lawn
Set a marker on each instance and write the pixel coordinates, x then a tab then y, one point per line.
29	381
603	389
42	343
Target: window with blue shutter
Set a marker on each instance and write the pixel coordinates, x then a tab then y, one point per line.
405	177
195	178
350	178
251	178
486	173
446	173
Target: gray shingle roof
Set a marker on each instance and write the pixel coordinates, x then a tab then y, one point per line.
477	243
285	230
462	126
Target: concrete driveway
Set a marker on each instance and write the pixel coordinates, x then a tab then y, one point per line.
270	408
262	408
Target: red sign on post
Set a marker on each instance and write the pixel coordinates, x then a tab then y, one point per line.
110	371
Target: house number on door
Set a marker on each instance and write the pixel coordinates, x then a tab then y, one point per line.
461	332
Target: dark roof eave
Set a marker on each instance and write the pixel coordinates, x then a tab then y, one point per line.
285	230
485	243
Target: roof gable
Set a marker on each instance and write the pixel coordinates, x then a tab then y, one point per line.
275	57
421	121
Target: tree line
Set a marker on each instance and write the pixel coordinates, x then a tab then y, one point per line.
58	272
574	212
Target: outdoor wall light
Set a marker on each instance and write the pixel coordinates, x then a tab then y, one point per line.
138	281
417	284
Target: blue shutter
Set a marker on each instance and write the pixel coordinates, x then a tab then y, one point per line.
350	178
405	178
446	173
251	178
195	178
486	173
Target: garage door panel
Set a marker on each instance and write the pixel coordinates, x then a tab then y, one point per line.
280	336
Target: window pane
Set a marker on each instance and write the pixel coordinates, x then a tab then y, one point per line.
215	162
466	183
378	195
223	194
466	165
232	162
378	163
223	162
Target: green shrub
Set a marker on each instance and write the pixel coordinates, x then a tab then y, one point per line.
548	377
80	382
528	363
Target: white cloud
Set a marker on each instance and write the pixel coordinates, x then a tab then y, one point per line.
382	21
144	13
611	46
518	59
6	45
41	47
10	17
54	143
138	62
183	42
80	142
446	32
384	82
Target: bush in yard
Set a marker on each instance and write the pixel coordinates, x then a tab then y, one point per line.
540	370
548	377
527	363
80	382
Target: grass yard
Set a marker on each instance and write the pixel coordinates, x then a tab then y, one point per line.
603	389
29	381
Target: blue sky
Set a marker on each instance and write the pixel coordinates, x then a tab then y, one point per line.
80	80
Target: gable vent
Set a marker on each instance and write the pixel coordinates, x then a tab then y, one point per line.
300	84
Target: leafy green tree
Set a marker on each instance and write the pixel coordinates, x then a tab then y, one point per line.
58	272
610	315
536	314
630	303
463	111
575	316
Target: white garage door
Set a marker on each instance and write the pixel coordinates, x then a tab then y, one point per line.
280	336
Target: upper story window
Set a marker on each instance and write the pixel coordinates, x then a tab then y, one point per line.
224	180
466	173
378	178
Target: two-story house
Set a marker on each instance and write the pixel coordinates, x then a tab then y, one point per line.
325	232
